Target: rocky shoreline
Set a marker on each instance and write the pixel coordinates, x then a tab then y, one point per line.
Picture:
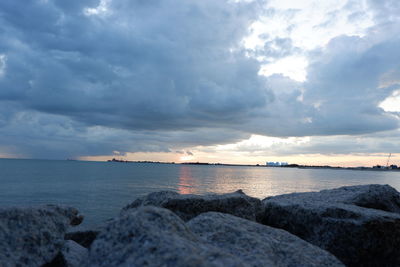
347	226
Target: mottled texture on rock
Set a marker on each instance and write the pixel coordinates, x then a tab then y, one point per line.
83	238
374	196
189	206
150	236
74	254
33	236
256	244
331	219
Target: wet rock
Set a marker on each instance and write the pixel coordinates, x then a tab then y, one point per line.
343	222
150	236
256	244
189	206
33	236
83	238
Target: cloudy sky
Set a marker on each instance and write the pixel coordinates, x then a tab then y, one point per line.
310	82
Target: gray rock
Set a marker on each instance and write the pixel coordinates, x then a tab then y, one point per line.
374	196
256	244
150	236
74	254
189	206
33	236
337	220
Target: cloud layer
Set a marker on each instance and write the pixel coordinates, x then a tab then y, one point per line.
91	77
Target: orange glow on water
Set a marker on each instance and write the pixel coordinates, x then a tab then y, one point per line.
187	184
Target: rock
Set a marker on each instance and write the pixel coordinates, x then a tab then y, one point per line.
256	244
189	206
83	238
374	196
33	236
74	254
342	222
151	236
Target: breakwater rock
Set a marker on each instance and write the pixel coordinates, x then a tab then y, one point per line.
356	225
189	206
256	244
34	236
157	237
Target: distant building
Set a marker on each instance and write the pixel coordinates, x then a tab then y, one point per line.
276	164
391	167
378	167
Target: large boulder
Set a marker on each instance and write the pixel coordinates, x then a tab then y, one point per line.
350	222
34	236
189	206
151	236
256	244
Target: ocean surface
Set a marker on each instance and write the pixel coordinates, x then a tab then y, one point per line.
100	189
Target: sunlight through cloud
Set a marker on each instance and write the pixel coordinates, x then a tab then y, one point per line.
293	67
261	143
307	25
102	8
392	103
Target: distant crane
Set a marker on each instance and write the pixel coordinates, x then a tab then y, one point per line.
387	162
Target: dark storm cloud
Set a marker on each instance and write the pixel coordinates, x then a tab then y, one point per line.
142	66
345	86
90	77
154	65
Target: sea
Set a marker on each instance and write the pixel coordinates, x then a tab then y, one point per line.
99	190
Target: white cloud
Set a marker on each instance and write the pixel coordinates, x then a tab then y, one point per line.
312	23
388	142
261	143
293	67
392	103
3	60
101	9
308	24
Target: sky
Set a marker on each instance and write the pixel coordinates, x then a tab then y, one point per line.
229	81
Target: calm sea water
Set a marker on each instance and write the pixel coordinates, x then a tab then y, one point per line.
100	189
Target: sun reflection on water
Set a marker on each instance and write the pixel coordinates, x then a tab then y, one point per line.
187	183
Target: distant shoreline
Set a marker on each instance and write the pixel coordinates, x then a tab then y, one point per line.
379	168
298	166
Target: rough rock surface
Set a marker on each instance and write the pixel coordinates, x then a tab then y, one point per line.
256	244
151	236
343	222
33	236
74	254
189	206
374	196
